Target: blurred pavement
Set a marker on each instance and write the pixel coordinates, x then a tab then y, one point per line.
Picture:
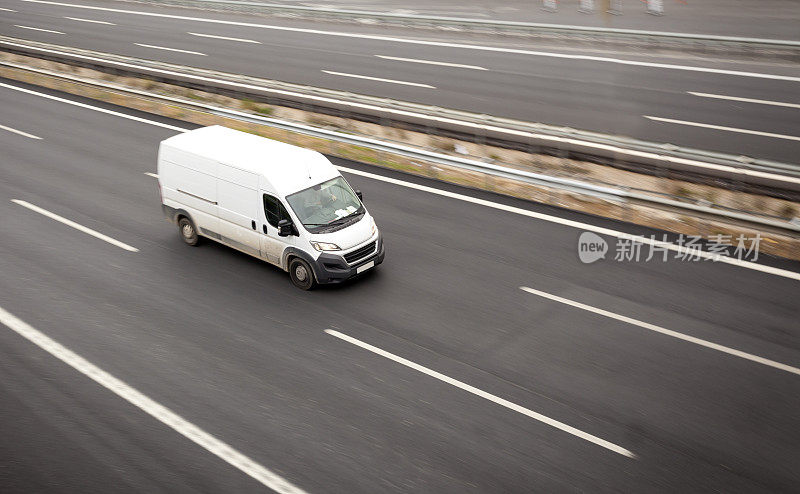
779	19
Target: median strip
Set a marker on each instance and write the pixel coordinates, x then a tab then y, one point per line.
182	108
93	108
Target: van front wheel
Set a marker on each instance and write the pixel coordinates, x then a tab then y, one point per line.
301	274
188	231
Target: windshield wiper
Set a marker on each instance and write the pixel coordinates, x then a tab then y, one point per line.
338	221
358	212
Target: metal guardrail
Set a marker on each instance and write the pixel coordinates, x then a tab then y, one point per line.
490	25
576	186
529	137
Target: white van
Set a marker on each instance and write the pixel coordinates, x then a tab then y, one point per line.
284	204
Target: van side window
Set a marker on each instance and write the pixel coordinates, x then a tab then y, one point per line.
274	210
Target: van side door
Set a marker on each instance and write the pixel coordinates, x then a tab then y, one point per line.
237	194
272	245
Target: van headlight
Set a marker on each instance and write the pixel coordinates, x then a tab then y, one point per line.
374	228
323	246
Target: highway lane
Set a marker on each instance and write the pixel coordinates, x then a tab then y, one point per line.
586	94
776	18
62	435
227	342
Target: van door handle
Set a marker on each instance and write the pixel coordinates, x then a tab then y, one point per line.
264	227
253	224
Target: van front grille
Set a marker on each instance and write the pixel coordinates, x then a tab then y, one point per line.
360	253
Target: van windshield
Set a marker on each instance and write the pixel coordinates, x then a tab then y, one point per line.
326	205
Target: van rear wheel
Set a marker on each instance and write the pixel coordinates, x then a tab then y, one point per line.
188	231
301	274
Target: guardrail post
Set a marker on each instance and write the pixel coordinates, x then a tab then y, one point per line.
479	138
655	7
549	5
586	7
552	198
628	210
703	224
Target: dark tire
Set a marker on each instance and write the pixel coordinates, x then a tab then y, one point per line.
301	274
188	232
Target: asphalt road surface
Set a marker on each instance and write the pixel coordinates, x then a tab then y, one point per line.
533	394
741	108
775	19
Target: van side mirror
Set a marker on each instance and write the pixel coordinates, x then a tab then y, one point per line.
360	195
285	228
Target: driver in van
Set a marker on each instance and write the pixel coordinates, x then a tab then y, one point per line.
320	201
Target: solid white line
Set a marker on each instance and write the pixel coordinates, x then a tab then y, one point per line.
431	62
665	331
170	49
90	20
76	226
488	396
38	29
19	132
726	129
94	108
734	171
524	212
436	43
149	406
746	100
151	174
225	38
581	226
7	10
379	79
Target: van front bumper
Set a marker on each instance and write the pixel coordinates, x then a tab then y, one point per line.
332	268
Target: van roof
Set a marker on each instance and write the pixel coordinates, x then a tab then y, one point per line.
287	168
